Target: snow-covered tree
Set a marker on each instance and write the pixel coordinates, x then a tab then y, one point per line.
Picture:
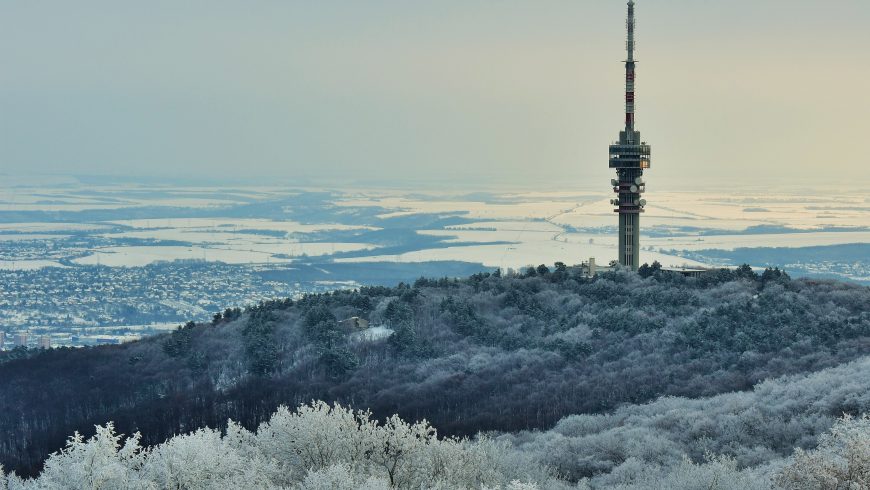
315	437
842	460
341	477
321	446
101	462
318	446
716	473
204	460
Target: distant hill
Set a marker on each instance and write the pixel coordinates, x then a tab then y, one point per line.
477	354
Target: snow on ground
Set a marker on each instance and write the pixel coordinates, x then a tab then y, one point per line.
297	249
371	334
510	226
79	198
41	227
483	236
533	223
731	242
197	235
731	211
233	224
140	256
137	256
64	207
29	236
711	210
534	249
472	209
27	265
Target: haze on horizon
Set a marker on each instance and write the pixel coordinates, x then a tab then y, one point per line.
514	92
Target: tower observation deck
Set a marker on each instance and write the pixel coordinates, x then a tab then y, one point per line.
630	157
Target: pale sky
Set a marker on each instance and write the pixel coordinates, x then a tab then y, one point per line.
466	90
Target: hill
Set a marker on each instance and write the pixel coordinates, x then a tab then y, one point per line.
491	352
734	441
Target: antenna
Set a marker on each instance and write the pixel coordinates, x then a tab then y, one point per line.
629	45
629	70
630	156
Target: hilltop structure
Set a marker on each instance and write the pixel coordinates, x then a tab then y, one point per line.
630	157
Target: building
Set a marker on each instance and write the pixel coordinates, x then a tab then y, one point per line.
590	268
44	342
687	271
21	339
2	340
354	323
630	156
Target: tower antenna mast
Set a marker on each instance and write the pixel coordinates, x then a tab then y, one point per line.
630	157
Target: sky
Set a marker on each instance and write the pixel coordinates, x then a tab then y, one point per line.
470	92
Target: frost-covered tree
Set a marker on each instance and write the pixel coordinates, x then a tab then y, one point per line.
842	460
716	473
754	428
318	437
737	440
315	437
341	477
318	446
205	460
105	461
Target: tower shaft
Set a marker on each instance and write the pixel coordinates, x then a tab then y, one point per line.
630	157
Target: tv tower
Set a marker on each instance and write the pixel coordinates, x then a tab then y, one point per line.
630	156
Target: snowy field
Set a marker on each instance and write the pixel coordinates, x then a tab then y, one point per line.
141	256
27	265
231	225
42	227
522	255
731	242
138	256
272	225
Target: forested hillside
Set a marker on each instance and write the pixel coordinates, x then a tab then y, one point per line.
736	441
753	430
510	353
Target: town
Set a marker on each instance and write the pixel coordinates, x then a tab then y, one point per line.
89	305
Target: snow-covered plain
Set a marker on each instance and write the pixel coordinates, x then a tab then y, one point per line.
233	225
529	249
731	242
42	227
27	265
137	256
28	236
506	229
